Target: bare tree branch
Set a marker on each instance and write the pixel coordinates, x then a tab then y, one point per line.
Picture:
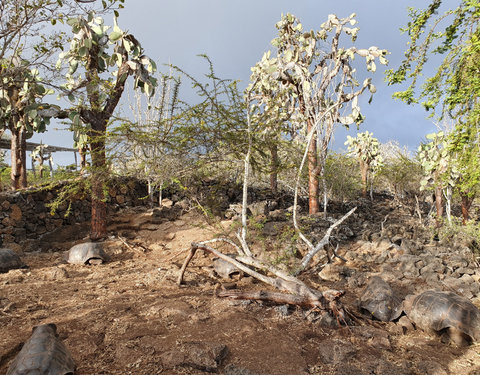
323	242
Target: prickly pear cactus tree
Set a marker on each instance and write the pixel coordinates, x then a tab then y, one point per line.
450	163
435	160
310	77
100	60
21	111
439	170
367	150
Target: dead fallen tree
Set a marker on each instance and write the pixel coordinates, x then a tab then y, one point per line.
300	293
280	298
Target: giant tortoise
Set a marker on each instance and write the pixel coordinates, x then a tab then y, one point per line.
10	260
43	354
86	253
446	313
380	300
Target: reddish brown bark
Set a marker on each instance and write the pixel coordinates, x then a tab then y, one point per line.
313	165
99	206
82	152
439	206
23	158
466	204
18	146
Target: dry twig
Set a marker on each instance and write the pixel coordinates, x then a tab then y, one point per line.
130	247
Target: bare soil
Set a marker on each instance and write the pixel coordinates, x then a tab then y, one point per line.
128	316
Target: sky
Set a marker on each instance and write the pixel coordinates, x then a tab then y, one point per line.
236	33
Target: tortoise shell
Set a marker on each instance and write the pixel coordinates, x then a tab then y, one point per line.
225	269
438	311
43	354
10	260
86	253
380	300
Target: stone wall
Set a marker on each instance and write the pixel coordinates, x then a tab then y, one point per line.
25	214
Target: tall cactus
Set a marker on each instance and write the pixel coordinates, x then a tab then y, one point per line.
366	148
439	169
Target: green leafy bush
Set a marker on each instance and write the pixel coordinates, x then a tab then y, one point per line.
343	180
400	175
456	234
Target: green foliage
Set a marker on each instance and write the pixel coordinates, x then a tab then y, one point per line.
90	47
5	171
464	148
366	148
400	174
215	129
280	250
437	163
456	234
299	71
20	97
451	160
342	180
68	192
60	174
453	34
146	147
309	86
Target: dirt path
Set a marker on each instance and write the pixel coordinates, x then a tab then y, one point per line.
129	317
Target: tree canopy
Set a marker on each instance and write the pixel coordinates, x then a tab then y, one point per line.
453	92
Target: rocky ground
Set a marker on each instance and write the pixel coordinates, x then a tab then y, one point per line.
128	316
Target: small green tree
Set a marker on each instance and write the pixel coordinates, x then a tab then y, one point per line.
311	79
95	94
214	130
454	90
464	150
145	147
366	149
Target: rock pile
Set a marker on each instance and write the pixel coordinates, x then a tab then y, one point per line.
434	267
25	215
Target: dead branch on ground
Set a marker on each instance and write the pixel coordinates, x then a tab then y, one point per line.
130	247
276	297
300	295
